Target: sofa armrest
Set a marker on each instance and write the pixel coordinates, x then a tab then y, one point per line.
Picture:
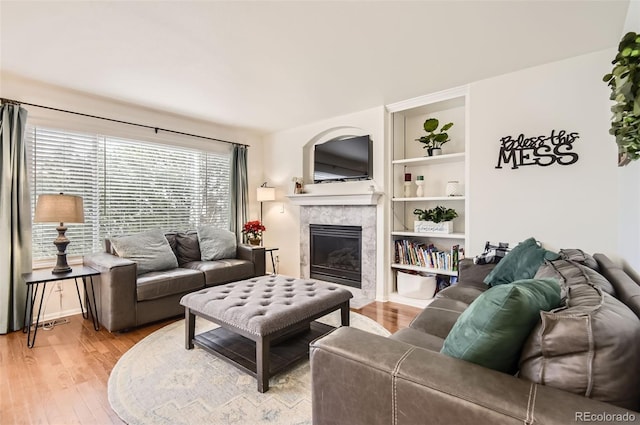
115	290
361	378
255	254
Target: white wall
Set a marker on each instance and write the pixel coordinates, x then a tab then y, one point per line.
284	159
15	87
629	179
571	206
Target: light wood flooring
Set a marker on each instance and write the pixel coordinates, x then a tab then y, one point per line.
63	379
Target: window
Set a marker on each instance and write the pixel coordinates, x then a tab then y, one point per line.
127	186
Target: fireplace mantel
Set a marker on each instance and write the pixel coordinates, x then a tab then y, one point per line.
367	198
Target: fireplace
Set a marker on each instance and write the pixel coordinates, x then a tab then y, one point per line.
335	254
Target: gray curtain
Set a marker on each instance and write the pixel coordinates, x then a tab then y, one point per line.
239	190
15	218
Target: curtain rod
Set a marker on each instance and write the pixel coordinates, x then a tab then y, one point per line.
156	129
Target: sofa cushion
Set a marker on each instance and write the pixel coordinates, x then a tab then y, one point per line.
187	247
439	317
461	292
521	263
571	273
222	271
579	256
590	347
150	250
419	339
627	289
153	285
492	330
216	244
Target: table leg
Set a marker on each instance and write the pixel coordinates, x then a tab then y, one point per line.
262	363
85	314
28	309
32	341
93	311
344	313
190	328
273	264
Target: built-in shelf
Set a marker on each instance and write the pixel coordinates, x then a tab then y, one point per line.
430	198
431	160
368	198
430	235
424	269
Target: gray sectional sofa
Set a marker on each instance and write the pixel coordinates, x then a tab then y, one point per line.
127	298
580	363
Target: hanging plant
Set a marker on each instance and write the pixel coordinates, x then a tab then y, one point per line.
624	81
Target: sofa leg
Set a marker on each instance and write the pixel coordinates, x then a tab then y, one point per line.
189	328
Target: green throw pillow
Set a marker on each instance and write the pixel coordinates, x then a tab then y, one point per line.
521	263
493	329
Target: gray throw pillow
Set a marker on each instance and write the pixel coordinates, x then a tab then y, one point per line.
150	250
216	244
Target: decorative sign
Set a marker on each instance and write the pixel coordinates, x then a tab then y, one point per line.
538	150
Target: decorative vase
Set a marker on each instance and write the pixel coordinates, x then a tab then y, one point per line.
453	188
254	241
419	190
435	152
407	189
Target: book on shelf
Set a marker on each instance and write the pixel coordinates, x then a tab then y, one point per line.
413	253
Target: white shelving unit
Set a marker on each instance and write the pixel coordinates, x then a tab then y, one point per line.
408	157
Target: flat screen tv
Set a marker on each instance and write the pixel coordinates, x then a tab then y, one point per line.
343	159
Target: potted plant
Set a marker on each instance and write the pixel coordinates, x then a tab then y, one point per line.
435	220
433	141
624	81
253	231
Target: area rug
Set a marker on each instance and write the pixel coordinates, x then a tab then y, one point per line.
158	381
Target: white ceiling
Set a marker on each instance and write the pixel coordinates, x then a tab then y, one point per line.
269	65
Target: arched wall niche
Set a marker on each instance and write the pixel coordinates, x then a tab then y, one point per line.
322	137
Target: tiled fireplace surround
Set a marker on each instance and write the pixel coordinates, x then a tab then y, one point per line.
344	215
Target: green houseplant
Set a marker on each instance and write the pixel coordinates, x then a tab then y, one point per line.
624	81
435	220
434	139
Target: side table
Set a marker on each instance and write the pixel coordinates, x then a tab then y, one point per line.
273	263
33	281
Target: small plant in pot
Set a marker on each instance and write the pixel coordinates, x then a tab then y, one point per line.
434	140
435	220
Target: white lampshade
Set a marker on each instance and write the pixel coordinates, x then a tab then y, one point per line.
59	208
266	194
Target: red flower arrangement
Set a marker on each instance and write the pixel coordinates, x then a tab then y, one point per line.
253	229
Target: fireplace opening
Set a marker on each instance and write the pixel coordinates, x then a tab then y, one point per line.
336	254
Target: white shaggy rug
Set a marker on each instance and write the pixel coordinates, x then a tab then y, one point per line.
158	381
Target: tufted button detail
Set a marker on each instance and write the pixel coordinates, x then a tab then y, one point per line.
288	303
244	297
268	290
290	279
289	295
267	296
311	294
289	290
332	288
265	303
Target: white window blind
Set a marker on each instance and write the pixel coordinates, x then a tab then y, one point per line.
128	186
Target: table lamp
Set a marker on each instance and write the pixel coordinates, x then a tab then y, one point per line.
60	209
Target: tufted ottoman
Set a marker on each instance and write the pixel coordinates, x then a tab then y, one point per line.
266	323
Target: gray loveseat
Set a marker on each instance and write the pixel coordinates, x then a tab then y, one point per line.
571	377
127	299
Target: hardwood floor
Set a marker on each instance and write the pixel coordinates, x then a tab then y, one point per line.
63	379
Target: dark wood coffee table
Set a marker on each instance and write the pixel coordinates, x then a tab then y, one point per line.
266	323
